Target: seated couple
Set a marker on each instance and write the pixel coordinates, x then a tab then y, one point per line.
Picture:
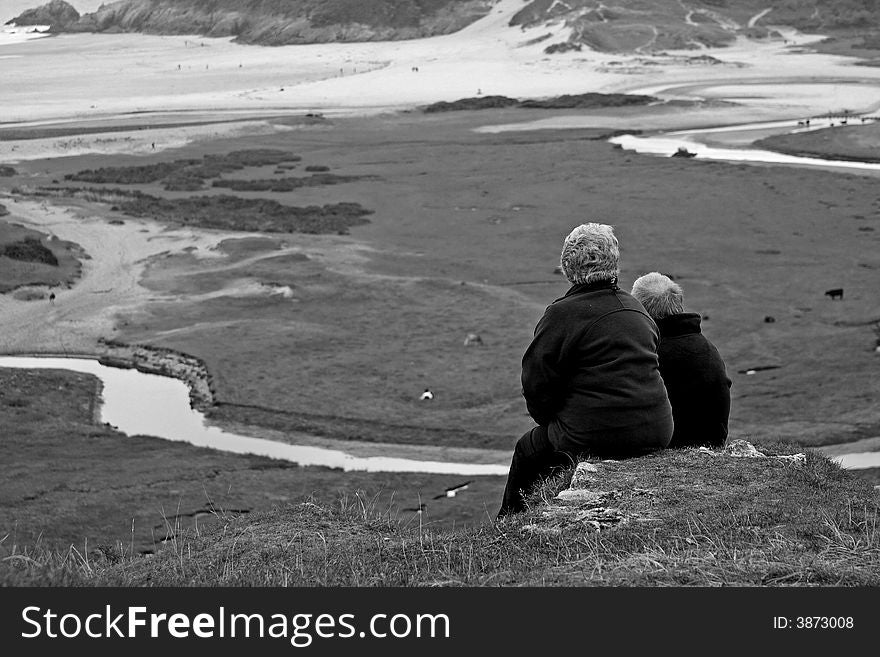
611	374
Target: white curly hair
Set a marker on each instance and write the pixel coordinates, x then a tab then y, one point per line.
590	254
659	294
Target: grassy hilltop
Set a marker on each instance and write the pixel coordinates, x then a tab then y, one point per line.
677	518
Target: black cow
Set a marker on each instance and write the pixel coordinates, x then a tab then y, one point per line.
836	293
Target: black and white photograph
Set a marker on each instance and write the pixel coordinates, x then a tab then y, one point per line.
437	298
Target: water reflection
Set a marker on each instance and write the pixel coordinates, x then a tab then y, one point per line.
147	404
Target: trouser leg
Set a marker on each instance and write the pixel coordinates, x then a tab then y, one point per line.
533	457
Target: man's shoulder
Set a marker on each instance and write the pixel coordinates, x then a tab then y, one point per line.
601	296
598	307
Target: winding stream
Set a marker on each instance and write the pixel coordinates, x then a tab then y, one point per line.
721	144
148	404
137	403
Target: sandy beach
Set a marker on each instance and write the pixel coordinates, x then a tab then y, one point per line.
88	76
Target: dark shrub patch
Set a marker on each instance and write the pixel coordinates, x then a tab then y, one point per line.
234	213
566	101
29	249
185	174
477	103
286	184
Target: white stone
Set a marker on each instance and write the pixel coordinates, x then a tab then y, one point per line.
583	475
580	496
743	448
793	458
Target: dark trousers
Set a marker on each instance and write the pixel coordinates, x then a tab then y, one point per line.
533	458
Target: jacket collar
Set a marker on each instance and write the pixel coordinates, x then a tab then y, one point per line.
681	324
580	288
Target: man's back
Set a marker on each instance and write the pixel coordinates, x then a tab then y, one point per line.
696	381
591	370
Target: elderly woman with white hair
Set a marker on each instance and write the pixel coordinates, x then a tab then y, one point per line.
692	369
590	375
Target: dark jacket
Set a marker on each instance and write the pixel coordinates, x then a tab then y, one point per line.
591	375
696	380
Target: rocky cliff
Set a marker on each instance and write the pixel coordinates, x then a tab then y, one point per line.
59	15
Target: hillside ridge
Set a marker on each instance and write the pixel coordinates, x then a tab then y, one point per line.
771	515
627	26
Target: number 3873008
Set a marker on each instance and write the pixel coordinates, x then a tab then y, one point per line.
824	622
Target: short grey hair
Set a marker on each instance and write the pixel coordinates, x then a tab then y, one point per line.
590	254
659	294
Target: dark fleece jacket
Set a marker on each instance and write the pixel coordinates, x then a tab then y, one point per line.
696	380
591	375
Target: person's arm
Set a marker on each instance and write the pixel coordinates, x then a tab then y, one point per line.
542	376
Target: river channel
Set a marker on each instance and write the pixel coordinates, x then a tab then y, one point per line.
731	144
137	403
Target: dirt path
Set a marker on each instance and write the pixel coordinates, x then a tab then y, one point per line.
117	255
110	284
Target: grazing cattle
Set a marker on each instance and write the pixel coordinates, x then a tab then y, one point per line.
836	293
427	395
769	319
52	298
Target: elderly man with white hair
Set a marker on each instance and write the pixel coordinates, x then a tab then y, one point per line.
590	375
692	369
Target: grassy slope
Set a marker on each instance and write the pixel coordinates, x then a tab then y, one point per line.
376	324
69	481
783	523
670	24
694	519
850	142
464	239
17	273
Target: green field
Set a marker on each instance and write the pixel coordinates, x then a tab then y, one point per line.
464	237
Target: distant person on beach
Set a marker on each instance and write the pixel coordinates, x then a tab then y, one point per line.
590	375
692	369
